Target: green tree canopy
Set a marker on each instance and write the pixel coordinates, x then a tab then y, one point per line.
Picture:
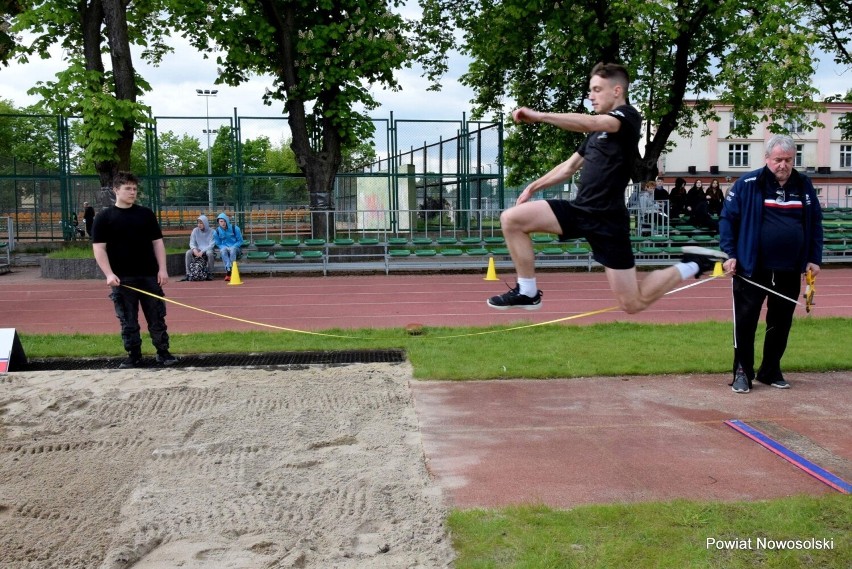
323	55
106	99
832	20
755	55
28	141
280	158
8	40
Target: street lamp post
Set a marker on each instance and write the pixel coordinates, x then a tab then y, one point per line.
207	93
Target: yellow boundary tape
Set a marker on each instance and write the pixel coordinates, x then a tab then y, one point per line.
453	336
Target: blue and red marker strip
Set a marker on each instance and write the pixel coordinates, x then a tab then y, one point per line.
801	462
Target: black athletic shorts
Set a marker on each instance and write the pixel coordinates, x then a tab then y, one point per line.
607	233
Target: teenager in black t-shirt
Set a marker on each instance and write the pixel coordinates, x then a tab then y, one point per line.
598	213
129	249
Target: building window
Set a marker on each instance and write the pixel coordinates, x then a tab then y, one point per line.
846	155
800	153
738	155
794	127
733	124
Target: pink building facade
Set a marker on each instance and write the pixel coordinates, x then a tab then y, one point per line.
823	154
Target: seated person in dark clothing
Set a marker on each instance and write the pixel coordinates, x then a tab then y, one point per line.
698	209
660	192
715	197
677	199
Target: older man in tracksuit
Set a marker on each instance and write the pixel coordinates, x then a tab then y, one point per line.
771	229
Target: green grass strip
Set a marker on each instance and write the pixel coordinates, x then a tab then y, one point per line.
552	351
658	535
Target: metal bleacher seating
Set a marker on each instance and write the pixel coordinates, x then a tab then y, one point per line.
455	250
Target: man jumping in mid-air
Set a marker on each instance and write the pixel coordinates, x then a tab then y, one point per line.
598	213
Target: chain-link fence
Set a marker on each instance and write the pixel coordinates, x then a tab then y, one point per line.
429	169
204	165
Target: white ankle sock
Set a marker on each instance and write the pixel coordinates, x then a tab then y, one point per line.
687	270
527	287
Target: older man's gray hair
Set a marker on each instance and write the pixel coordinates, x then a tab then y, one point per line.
786	143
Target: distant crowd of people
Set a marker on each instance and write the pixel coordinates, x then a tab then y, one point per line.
701	206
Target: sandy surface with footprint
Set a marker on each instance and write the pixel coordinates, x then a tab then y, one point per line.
320	467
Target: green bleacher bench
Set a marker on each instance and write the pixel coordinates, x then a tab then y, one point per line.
368	241
257	255
494	240
703	238
451	252
344	241
679	238
264	243
311	254
470	240
577	251
658	239
477	251
421	241
314	242
552	251
397	241
446	241
425	252
542	239
284	255
399	252
288	242
500	250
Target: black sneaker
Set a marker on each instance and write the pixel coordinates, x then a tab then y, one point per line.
705	258
514	299
132	361
741	383
166	359
778	383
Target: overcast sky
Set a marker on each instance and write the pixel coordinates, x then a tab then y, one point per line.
174	83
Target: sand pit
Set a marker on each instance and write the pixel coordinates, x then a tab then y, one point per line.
320	467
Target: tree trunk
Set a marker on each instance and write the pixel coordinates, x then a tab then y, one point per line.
115	19
93	18
646	167
320	168
318	161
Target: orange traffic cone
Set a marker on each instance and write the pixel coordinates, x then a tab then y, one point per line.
491	275
235	275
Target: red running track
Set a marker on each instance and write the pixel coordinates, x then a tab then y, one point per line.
35	305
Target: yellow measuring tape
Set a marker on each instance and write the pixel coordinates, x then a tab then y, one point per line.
810	290
297	331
